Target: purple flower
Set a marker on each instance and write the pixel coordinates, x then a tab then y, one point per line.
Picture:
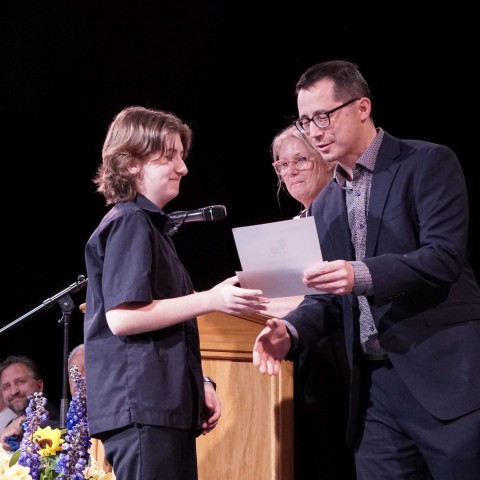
73	461
36	415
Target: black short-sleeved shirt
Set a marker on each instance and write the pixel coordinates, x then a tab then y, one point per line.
153	378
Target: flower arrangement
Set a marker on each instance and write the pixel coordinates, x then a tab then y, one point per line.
49	454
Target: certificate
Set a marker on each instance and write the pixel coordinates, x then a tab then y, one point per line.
274	255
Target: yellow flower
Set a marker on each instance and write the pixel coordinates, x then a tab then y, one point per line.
50	441
16	472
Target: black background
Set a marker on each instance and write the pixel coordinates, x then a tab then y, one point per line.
227	69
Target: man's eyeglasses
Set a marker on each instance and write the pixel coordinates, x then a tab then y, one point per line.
321	120
301	163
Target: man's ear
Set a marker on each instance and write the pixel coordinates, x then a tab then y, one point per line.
365	107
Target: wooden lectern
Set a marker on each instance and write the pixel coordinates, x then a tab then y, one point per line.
254	437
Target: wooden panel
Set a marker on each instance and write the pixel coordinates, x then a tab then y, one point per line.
254	438
228	336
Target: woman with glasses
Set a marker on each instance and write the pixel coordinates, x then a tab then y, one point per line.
321	371
303	174
299	167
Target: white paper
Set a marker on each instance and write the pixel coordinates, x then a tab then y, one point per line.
274	255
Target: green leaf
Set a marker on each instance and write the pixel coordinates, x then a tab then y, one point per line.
14	458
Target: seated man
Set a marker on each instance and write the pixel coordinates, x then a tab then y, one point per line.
77	358
20	377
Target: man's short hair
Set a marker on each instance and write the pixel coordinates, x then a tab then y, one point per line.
23	359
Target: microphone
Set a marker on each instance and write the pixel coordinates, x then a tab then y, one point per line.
205	214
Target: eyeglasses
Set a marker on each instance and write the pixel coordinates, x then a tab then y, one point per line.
321	120
301	163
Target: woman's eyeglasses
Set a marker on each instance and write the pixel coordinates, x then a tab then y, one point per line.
282	166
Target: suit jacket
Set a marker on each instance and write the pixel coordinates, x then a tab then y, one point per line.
426	302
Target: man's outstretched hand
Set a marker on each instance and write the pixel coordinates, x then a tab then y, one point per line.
271	346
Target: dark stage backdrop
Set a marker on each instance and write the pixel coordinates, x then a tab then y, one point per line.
68	67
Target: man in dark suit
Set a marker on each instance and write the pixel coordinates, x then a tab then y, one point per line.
393	227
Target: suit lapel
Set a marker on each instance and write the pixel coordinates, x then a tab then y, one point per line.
331	220
385	170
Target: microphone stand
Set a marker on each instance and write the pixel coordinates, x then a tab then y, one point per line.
67	305
64	300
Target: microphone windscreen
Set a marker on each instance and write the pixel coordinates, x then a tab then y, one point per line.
215	212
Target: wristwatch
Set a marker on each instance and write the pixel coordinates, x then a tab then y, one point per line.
210	380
